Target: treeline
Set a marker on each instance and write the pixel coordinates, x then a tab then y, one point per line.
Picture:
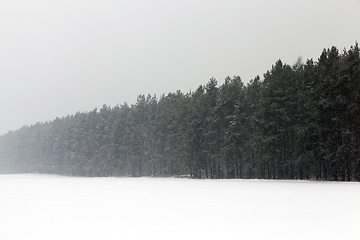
299	122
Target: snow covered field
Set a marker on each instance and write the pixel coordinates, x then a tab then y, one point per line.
55	207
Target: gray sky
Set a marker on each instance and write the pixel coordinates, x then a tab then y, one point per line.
62	56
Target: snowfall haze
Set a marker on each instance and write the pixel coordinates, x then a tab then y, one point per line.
61	57
57	207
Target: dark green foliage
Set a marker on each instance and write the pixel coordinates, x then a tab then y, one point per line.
299	122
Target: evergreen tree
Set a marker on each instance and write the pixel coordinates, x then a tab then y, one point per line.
300	122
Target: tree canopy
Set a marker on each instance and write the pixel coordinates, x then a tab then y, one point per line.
298	122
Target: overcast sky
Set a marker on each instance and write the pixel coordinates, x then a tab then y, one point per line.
62	56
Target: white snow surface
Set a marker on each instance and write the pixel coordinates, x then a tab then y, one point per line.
57	207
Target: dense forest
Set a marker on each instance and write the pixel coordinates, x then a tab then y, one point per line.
298	122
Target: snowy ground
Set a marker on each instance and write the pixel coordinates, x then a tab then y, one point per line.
54	207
